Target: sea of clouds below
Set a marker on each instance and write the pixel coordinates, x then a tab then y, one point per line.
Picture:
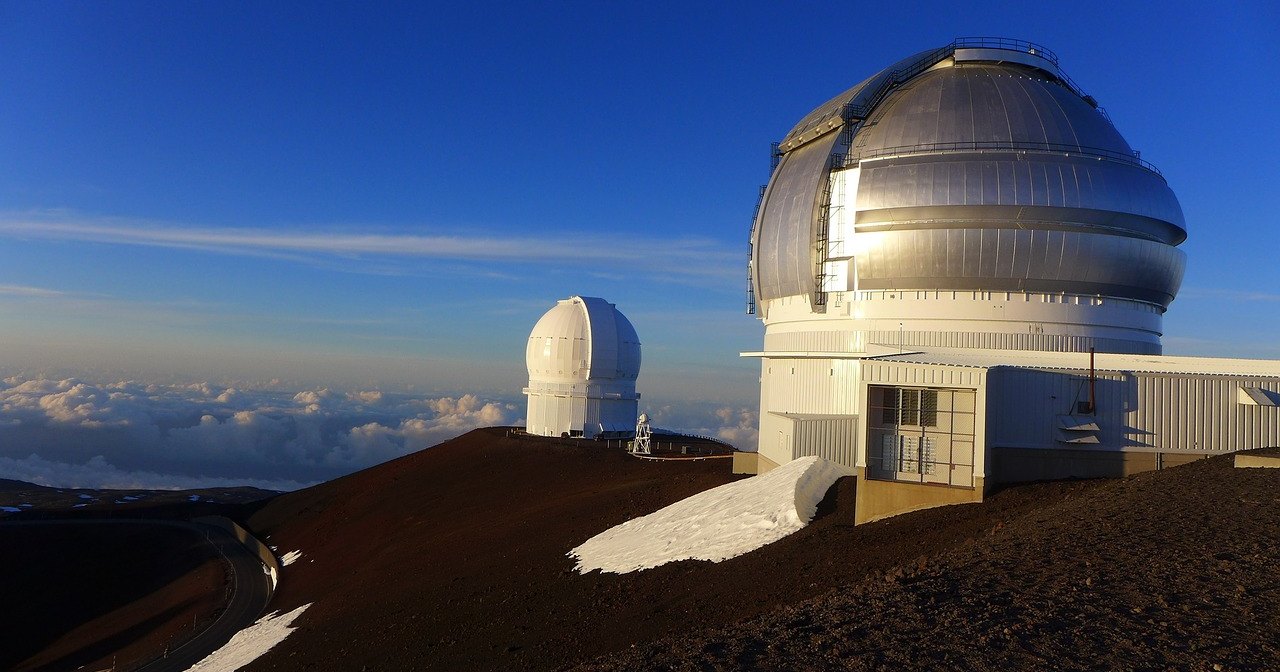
126	434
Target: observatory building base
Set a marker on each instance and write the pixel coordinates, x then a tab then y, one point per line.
947	426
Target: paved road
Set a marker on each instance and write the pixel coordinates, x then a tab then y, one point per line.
250	590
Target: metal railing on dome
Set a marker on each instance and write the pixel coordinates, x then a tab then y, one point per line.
1005	43
1002	146
1025	47
901	75
891	82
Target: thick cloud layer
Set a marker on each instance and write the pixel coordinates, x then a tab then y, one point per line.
74	433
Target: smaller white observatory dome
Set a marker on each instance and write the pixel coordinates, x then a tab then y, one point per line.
583	358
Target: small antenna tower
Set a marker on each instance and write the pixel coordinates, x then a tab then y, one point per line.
641	445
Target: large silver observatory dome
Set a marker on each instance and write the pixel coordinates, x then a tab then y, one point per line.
981	167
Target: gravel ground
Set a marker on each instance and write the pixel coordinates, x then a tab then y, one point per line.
454	558
1171	570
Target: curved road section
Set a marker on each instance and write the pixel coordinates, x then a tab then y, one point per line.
250	591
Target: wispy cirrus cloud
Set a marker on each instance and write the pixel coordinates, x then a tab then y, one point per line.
677	258
34	292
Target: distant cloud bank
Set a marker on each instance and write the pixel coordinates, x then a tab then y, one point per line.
72	433
128	434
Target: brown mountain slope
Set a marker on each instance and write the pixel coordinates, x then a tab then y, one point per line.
1169	570
97	594
454	557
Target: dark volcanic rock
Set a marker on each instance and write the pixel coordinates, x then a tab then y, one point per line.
1164	570
454	557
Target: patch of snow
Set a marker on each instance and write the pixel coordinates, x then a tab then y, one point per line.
290	558
129	498
248	644
76	506
10	509
83	496
718	524
26	505
193	498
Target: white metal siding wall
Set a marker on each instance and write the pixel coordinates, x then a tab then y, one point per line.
615	415
835	439
1141	411
920	375
1025	404
775	438
1202	413
811	386
815	341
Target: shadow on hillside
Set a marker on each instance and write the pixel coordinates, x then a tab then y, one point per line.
59	577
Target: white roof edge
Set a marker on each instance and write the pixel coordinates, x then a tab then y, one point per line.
1103	361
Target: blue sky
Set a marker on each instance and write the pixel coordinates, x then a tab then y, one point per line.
387	196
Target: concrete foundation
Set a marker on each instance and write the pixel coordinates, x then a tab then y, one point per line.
1020	465
746	463
880	499
1246	461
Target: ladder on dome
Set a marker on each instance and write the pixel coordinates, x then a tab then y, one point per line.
751	290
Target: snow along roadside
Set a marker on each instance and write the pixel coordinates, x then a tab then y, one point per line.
717	524
248	644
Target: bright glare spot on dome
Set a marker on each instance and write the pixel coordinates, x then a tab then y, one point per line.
862	243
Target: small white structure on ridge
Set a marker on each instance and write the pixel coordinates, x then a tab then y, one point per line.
641	446
583	358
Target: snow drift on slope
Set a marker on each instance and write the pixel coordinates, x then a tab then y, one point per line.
718	524
248	644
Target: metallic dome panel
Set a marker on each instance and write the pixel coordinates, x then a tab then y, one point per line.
986	103
784	263
1063	191
1022	260
973	172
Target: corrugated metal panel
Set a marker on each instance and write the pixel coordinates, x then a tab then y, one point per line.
1003	341
1137	363
896	373
832	438
1203	413
1165	413
815	341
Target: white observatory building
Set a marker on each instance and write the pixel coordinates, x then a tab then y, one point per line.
936	257
583	358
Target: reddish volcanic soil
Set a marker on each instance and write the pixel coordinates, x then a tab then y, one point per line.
88	595
1170	570
454	557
